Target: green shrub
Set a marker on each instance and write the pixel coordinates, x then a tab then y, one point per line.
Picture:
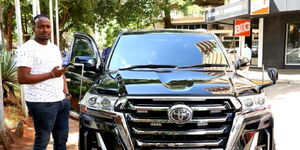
9	78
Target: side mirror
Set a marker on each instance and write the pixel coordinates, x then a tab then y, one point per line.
273	74
87	61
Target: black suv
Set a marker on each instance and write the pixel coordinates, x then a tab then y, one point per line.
166	89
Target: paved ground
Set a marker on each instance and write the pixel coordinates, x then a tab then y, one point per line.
26	142
285	102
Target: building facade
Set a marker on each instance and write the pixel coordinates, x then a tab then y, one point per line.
275	29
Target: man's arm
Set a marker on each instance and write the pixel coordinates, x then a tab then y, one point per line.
66	89
25	77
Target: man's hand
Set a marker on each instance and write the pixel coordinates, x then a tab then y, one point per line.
25	77
57	72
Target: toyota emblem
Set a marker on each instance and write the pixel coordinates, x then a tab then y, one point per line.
180	114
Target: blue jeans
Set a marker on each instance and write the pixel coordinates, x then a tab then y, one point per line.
50	117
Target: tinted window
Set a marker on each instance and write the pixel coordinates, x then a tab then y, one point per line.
166	49
82	47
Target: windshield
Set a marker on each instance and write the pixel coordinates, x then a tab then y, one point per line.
177	49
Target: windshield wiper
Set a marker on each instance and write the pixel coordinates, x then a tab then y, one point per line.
152	66
202	65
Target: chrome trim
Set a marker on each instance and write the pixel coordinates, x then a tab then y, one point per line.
203	107
124	130
101	113
81	78
252	144
120	103
121	126
85	139
187	149
234	101
180	114
198	120
254	141
269	146
100	141
262	123
189	132
181	144
241	120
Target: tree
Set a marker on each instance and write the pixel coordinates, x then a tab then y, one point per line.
82	15
9	23
188	7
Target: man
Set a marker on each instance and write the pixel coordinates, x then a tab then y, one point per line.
45	88
247	52
105	53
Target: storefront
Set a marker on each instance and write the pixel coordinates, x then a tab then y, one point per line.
227	14
275	39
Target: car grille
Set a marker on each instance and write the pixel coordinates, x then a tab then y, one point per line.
150	127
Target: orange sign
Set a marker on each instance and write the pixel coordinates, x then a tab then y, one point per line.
259	7
242	27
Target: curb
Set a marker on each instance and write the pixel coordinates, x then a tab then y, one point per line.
278	81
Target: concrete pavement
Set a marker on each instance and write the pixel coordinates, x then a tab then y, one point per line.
284	99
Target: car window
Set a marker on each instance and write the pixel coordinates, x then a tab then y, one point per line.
166	49
82	47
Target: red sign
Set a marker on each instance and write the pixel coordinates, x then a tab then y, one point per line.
242	27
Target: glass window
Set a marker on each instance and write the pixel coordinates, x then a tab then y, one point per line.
82	47
166	49
191	26
293	44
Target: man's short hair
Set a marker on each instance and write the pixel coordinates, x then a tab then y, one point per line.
37	17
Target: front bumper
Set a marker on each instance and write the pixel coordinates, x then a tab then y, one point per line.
106	130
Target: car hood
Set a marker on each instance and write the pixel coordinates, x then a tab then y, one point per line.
173	82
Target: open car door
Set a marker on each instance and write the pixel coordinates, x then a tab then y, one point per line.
84	67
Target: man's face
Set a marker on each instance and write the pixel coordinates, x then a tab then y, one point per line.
42	29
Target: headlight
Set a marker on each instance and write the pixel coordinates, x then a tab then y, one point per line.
253	102
99	101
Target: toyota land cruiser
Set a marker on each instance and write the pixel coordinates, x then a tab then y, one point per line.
166	89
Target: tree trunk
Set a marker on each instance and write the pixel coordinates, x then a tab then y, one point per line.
167	12
2	124
167	22
8	26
